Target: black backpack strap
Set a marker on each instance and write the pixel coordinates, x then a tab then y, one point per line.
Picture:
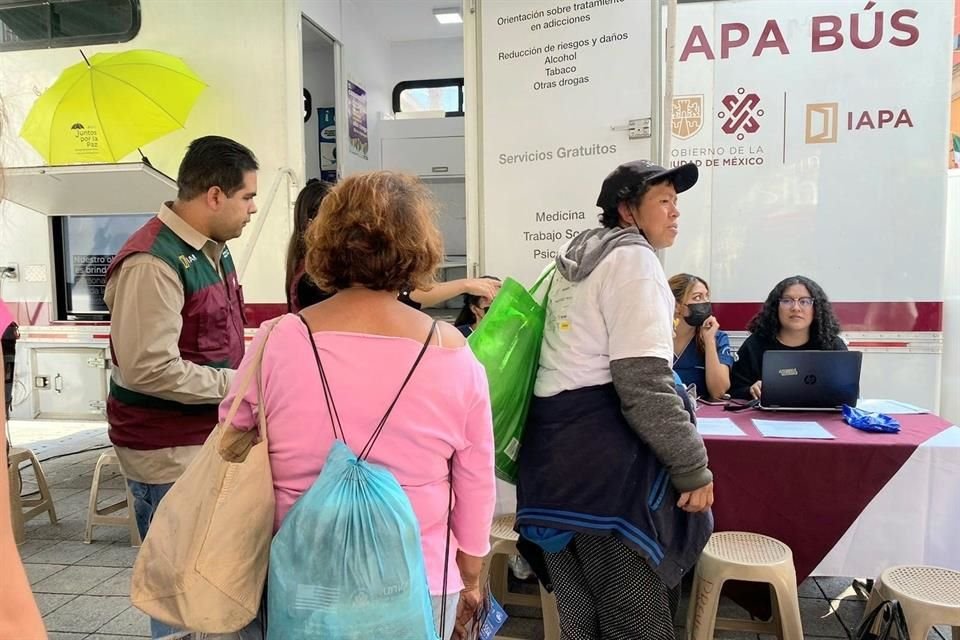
383	421
446	549
328	396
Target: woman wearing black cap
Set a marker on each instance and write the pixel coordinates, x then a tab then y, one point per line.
614	492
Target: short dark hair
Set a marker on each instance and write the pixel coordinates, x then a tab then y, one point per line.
213	161
610	218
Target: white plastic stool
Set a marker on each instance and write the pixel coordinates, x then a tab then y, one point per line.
929	596
23	510
734	555
103	516
503	544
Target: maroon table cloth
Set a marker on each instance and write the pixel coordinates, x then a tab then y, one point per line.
803	492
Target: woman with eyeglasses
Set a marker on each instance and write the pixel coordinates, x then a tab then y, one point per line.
701	352
796	316
474	308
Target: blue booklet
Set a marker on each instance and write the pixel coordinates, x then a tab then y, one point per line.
496	616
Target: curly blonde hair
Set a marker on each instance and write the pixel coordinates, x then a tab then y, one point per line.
376	230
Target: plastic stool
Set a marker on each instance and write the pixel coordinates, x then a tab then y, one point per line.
929	596
24	509
102	516
503	544
734	555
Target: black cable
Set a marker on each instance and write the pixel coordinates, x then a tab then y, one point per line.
737	405
73	453
62	455
57	457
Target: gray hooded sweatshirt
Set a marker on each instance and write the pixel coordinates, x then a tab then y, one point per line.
645	385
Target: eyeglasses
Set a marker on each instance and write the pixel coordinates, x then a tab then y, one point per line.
803	303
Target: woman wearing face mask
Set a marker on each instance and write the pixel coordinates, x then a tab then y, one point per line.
796	316
701	352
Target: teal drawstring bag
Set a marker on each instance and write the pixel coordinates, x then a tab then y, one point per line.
347	562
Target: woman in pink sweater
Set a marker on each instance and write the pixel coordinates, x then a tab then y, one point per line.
376	234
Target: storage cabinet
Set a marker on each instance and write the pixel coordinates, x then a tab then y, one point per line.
69	382
425	157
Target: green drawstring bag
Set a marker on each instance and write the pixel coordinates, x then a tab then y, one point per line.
507	344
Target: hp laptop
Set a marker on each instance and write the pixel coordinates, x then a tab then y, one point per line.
810	380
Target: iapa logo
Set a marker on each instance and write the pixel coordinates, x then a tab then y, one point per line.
186	261
823	121
743	109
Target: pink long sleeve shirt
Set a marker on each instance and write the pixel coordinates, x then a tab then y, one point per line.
443	413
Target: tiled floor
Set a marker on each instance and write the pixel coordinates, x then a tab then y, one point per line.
83	590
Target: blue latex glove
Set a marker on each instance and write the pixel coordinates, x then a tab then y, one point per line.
868	421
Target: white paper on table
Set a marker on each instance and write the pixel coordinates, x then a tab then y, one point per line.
718	427
792	429
889	407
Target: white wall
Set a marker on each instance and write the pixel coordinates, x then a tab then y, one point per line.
366	63
327	14
25	240
319	79
426	59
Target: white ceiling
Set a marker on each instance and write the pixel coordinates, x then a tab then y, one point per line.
403	20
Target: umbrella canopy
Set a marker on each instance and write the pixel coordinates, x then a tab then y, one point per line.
101	109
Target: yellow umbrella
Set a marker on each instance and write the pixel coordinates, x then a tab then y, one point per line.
101	109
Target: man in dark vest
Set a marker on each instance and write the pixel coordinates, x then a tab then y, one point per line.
177	322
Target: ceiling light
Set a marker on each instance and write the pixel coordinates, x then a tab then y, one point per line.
448	16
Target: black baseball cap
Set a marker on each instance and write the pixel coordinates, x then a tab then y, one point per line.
637	172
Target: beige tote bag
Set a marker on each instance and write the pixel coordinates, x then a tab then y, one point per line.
203	564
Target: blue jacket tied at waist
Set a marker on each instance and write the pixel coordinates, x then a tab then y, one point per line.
583	470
